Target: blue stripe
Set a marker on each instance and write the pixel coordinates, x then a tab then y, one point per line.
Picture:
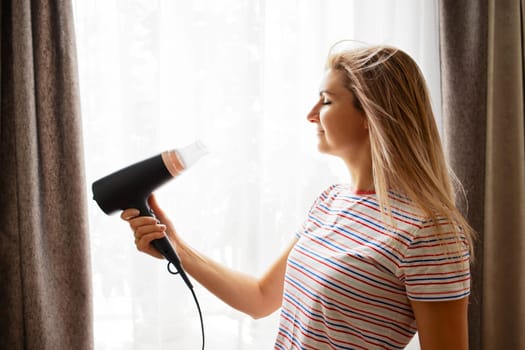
395	213
320	317
453	259
449	297
314	334
438	278
292	339
347	291
341	249
358	237
434	240
298	285
277	345
335	263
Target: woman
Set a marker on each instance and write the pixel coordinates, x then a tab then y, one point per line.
376	256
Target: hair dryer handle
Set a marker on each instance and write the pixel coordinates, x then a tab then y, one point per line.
163	244
144	208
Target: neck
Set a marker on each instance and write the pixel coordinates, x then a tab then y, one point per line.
362	181
361	173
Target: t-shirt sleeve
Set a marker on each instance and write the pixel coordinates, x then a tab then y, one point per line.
435	266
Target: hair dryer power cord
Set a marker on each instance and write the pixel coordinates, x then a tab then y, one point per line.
190	287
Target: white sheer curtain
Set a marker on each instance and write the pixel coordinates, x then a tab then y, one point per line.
240	76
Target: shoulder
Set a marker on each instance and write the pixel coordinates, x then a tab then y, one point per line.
436	263
328	194
332	190
430	234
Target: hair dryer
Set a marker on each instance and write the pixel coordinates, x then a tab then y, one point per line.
130	187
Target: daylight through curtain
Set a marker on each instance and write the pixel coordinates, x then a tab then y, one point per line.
241	76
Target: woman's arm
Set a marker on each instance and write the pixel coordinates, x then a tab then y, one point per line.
257	297
442	324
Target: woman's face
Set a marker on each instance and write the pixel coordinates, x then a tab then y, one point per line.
341	127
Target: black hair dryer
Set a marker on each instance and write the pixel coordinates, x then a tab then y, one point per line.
131	187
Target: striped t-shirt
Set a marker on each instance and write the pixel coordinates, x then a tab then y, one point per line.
351	274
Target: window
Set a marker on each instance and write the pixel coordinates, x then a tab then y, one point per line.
240	76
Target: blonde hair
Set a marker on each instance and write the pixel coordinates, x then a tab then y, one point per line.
407	155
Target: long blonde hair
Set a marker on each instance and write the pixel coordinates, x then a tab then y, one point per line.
407	155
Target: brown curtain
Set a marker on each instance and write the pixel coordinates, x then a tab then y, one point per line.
45	291
482	56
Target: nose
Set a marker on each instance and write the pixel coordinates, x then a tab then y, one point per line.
313	115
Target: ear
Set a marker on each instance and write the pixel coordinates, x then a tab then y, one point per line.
365	123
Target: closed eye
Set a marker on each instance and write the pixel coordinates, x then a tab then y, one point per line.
324	98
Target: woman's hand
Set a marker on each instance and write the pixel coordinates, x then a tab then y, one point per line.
147	228
256	297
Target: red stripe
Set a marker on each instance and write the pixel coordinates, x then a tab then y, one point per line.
434	282
360	243
406	327
353	287
321	340
375	265
366	302
452	293
447	273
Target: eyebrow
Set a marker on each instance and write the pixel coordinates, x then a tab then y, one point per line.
325	92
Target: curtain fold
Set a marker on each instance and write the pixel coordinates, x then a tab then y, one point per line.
463	32
482	87
504	254
45	296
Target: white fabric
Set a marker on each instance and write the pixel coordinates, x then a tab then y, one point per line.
240	76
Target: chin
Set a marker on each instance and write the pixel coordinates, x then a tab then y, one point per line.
322	148
325	149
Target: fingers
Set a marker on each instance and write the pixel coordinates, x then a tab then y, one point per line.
145	225
144	245
141	230
163	218
145	230
152	201
154	205
129	214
